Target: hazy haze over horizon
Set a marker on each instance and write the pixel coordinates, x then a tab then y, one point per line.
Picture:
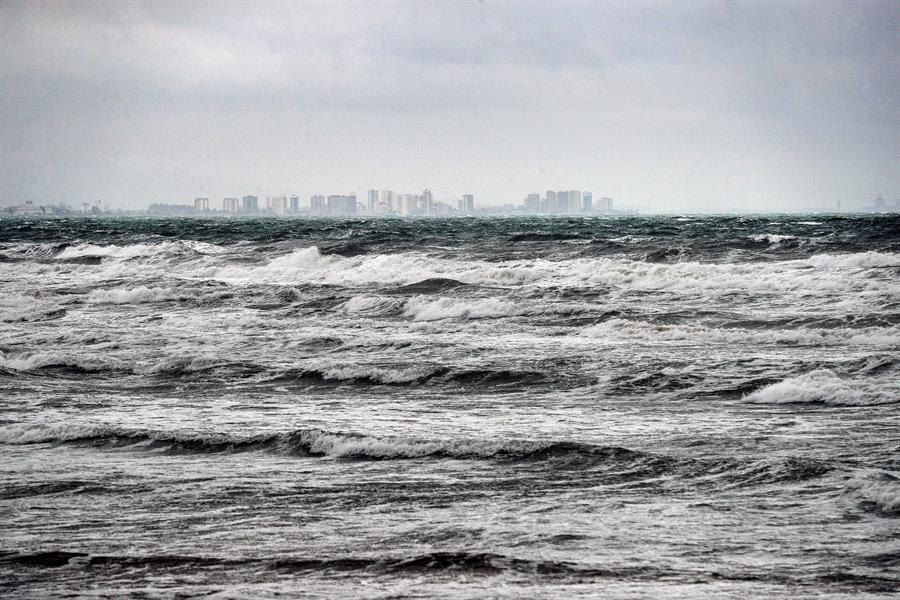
703	106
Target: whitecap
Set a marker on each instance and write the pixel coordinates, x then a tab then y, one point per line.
425	308
631	331
772	238
825	387
138	295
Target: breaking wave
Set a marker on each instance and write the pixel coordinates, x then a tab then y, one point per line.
138	295
136	250
21	308
877	491
631	331
422	308
179	366
372	305
862	260
419	273
313	442
361	374
35	361
378	375
608	464
408	269
771	238
823	386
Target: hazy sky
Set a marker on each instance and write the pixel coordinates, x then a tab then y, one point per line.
680	106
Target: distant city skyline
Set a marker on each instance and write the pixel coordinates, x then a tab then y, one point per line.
388	203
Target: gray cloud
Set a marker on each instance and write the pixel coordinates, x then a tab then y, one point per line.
669	106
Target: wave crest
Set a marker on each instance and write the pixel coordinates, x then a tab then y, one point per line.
879	492
823	386
423	308
315	442
129	251
36	361
632	331
138	295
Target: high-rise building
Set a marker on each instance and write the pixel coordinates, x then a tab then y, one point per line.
201	204
341	205
575	205
250	204
372	201
562	201
407	204
317	205
442	209
294	206
568	201
467	205
277	204
605	204
230	205
386	201
550	205
532	203
587	202
427	202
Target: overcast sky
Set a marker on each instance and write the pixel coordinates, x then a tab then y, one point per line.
681	106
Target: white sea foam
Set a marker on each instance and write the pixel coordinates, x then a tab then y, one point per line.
366	304
129	251
883	492
180	364
307	261
134	250
425	308
824	386
630	331
26	361
374	374
32	361
630	239
43	432
772	238
24	307
138	295
862	260
308	265
337	446
32	433
314	441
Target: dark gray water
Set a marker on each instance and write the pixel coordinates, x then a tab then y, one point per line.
628	408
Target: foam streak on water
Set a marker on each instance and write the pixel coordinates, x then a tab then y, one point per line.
627	407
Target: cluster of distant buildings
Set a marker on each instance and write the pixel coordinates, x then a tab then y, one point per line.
389	203
566	202
882	205
377	202
29	208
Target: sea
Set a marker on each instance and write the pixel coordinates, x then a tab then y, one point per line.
507	407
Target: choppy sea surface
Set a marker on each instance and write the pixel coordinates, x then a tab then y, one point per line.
634	407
